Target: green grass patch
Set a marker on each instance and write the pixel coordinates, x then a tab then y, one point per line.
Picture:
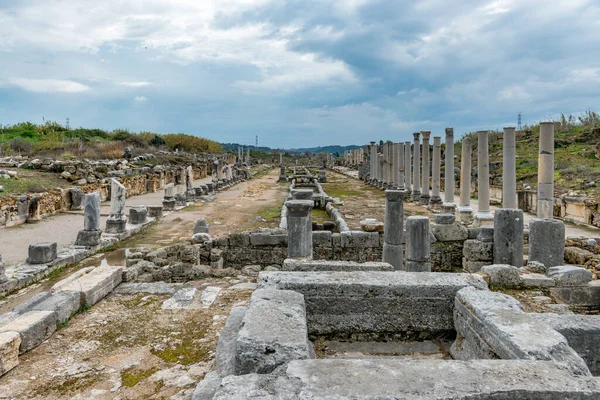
132	376
271	212
320	215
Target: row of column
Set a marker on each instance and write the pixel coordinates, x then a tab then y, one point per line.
354	156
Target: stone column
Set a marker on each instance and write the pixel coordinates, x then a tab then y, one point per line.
90	235
418	244
425	176
401	166
547	242
416	192
465	211
545	200
449	206
372	158
509	170
169	199
436	200
3	277
117	220
395	166
508	237
393	230
381	170
407	168
483	216
299	221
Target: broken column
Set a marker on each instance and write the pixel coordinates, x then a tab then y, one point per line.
138	215
449	207
189	178
393	231
418	244
116	220
509	171
545	200
547	242
436	200
425	175
299	221
407	168
169	199
483	216
508	237
416	192
465	211
91	233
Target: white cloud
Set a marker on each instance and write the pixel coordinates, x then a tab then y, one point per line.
140	99
135	84
49	85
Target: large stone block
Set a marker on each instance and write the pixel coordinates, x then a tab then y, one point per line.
88	238
508	237
64	304
324	265
9	351
570	275
476	250
547	242
587	297
321	239
359	239
138	215
42	253
33	326
449	232
95	285
502	276
268	239
273	332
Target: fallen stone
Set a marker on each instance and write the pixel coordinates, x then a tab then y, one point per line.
95	285
146	287
324	265
476	250
532	281
201	226
448	232
570	275
200	238
42	253
34	327
371	225
243	286
251	270
209	295
9	351
64	304
536	267
503	276
183	298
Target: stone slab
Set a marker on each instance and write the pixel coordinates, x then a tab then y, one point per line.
531	281
587	296
400	305
570	275
95	285
34	327
337	379
324	265
9	351
502	275
273	332
145	287
64	304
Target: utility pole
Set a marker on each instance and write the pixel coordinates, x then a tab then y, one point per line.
519	122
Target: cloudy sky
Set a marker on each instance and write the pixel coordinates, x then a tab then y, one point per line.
300	72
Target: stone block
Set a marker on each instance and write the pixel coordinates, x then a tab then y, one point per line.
476	250
587	297
321	239
383	304
239	239
388	378
88	238
155	211
531	281
116	225
324	265
31	302
168	204
444	219
268	239
496	325
547	242
138	215
33	326
77	199
201	226
95	285
502	275
9	351
371	225
42	252
449	232
508	237
536	267
473	266
359	239
485	234
273	332
64	304
570	275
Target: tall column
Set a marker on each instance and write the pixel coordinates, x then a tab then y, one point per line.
299	220
381	170
465	211
393	231
407	168
449	207
509	170
545	200
416	193
401	165
483	216
436	201
425	176
418	244
372	157
395	167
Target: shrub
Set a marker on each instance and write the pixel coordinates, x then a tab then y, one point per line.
157	141
21	146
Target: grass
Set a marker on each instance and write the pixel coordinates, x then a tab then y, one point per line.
132	376
32	182
320	216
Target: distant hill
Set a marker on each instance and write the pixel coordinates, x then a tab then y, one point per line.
327	149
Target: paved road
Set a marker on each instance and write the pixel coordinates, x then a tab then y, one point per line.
62	228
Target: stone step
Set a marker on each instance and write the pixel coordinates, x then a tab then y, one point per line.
34	327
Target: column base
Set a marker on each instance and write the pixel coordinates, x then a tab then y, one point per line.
392	254
88	238
435	202
416	195
465	215
424	200
449	208
115	225
483	218
168	204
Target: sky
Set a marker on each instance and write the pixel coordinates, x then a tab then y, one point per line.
298	73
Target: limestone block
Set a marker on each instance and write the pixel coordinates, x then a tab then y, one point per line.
570	275
473	266
201	226
95	285
358	239
64	304
321	239
371	225
508	237
587	296
324	265
536	267
239	239
34	327
138	215
502	275
547	242
476	250
30	303
155	211
267	239
449	232
9	351
200	238
91	213
273	332
444	219
531	281
88	238
42	252
485	234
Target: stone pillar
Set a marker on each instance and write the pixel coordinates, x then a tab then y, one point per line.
91	233
425	176
465	211
380	170
509	170
418	244
401	166
407	168
299	221
393	230
436	200
169	199
189	178
117	220
449	206
372	158
416	192
545	200
547	242
395	166
483	216
508	237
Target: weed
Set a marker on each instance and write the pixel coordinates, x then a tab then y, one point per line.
132	376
